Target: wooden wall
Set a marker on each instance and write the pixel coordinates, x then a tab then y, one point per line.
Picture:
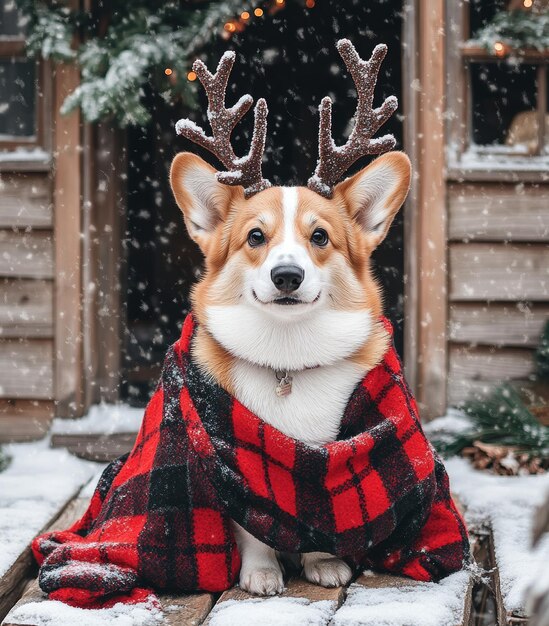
26	302
498	273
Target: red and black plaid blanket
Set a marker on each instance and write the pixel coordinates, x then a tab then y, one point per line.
160	517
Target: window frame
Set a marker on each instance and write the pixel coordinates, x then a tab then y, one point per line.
38	144
485	164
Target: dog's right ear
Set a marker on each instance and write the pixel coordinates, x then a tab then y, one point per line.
203	200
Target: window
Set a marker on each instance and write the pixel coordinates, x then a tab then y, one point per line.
497	96
21	79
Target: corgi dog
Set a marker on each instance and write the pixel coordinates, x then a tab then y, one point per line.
288	309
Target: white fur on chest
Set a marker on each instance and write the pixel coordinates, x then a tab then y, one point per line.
313	411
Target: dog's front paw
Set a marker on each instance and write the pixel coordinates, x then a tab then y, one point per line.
325	570
262	581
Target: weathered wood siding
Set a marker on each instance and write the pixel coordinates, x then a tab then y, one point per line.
498	282
26	304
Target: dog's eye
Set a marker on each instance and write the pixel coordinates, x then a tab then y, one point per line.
256	238
319	237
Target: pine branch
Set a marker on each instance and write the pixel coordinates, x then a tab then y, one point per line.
119	58
501	418
516	29
541	356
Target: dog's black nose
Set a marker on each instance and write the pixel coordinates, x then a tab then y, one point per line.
287	277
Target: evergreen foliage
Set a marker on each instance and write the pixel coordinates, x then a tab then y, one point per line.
515	29
4	460
126	49
541	356
501	418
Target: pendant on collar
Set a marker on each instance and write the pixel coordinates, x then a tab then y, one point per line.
284	386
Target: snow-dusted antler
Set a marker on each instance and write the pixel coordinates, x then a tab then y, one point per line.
334	160
246	170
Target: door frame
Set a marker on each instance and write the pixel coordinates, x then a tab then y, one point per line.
425	237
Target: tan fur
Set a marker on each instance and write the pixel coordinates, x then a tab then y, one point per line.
227	253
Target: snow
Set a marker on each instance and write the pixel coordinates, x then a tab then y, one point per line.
36	484
496	159
102	419
276	611
508	504
416	604
54	613
20	154
454	422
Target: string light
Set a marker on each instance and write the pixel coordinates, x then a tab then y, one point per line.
168	71
310	4
191	76
238	24
527	3
499	49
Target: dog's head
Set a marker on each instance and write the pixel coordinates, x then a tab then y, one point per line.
288	256
288	282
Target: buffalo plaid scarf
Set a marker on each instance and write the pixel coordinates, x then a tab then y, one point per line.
161	516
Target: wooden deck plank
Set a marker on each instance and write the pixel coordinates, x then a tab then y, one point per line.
295	588
95	447
375	595
24	420
186	610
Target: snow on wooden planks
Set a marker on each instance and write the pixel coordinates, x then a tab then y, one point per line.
384	600
33	609
301	604
373	600
15	579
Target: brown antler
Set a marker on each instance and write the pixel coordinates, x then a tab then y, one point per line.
334	160
246	170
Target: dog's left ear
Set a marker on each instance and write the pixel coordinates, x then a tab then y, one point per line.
374	195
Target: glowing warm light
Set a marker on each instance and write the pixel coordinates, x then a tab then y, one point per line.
499	48
191	76
168	71
527	3
309	3
280	1
258	12
245	15
229	26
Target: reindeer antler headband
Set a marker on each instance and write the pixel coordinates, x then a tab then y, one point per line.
333	160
